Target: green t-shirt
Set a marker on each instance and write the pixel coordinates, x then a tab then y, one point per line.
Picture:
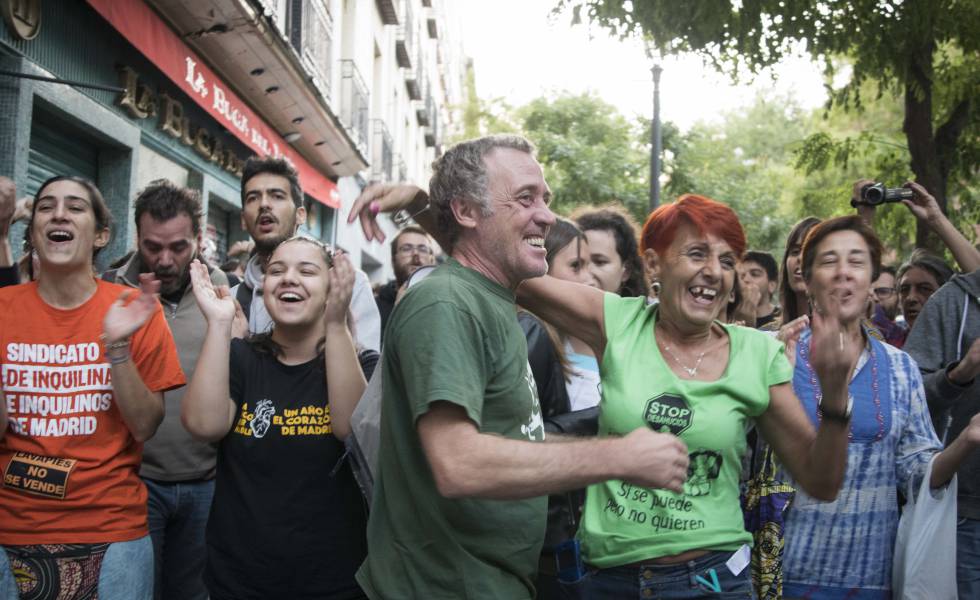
624	523
454	337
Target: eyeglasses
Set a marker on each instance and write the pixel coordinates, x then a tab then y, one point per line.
884	292
407	249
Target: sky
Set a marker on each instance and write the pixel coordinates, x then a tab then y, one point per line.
520	52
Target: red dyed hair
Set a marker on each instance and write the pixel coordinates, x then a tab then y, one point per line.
705	214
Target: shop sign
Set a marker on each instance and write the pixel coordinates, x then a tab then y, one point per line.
142	28
141	102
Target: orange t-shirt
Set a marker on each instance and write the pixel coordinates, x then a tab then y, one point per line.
69	462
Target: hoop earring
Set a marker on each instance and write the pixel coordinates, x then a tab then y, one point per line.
655	286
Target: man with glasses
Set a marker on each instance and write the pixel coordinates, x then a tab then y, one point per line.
885	299
411	249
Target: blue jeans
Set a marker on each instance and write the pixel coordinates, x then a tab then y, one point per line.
968	558
178	515
683	581
126	573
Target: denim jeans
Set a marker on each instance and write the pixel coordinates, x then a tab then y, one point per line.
968	558
126	573
178	515
684	581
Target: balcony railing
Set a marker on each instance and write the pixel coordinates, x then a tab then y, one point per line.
405	38
381	152
311	33
388	11
401	168
431	133
354	103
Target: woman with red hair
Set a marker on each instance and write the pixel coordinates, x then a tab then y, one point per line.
676	368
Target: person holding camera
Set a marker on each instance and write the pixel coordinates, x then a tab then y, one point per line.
868	195
923	273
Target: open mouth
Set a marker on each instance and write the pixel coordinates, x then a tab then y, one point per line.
267	222
535	242
703	295
60	235
289	297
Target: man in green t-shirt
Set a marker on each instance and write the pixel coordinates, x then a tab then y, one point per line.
459	503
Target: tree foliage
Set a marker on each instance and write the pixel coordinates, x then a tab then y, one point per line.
590	152
925	51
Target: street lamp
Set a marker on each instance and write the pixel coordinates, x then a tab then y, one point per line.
656	141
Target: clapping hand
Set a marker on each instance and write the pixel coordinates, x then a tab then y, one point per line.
217	305
833	354
789	335
340	278
129	313
8	204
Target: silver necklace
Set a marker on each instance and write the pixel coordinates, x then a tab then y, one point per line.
691	371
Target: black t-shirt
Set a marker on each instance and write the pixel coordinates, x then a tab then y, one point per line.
288	520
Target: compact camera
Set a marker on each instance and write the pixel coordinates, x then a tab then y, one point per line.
874	194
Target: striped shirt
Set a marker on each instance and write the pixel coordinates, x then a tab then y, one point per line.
843	549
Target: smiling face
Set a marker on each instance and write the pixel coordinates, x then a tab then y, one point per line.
841	273
510	242
295	285
64	231
915	287
269	214
696	272
571	263
794	268
604	262
167	248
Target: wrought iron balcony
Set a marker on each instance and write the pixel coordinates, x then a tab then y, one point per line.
388	11
405	38
354	103
382	151
431	133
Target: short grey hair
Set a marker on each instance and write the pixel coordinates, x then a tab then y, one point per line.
461	173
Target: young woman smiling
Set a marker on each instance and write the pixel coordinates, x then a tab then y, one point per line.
288	519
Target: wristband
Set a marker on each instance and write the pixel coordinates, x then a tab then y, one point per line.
836	417
108	348
118	360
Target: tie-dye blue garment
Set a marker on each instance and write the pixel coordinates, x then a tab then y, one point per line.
843	549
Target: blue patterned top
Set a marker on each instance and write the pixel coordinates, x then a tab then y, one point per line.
843	549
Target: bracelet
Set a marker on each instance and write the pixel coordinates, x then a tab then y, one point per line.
118	360
115	346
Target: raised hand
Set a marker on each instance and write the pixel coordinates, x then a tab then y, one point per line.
922	204
217	308
239	326
129	313
380	198
340	278
8	204
654	460
789	335
833	354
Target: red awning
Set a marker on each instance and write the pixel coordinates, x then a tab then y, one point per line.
150	35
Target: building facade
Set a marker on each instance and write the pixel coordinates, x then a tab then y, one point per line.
127	91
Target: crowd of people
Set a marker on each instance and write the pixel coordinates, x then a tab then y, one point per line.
571	407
